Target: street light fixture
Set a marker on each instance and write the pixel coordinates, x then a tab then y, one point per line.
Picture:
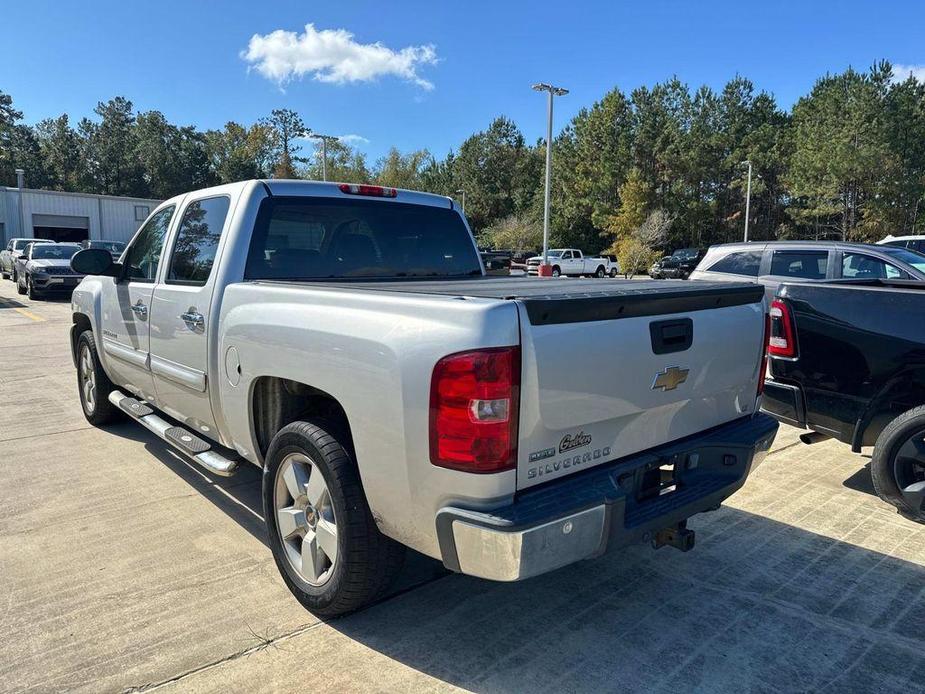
551	91
463	193
324	150
748	195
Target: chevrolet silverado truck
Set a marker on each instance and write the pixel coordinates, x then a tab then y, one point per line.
345	339
571	262
848	362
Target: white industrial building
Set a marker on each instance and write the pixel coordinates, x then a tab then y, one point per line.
58	216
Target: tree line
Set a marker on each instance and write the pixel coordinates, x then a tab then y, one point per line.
660	167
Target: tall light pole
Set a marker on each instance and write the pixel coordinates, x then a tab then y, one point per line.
463	193
324	151
551	91
748	196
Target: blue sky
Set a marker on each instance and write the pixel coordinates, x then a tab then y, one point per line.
441	71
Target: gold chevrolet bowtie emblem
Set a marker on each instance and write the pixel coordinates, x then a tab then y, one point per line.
670	378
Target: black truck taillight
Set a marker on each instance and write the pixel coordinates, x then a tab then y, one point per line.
782	339
474	402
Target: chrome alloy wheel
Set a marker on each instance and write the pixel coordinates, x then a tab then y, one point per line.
305	518
87	380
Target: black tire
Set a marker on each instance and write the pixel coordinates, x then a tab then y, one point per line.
600	272
4	274
556	271
100	411
613	272
890	471
367	560
30	290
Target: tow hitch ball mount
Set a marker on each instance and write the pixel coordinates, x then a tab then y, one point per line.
677	536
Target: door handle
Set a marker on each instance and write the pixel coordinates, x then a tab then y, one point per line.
140	310
194	321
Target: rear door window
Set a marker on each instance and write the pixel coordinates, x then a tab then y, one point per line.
738	263
197	241
860	266
810	265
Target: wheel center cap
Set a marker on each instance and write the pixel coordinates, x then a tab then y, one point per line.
311	517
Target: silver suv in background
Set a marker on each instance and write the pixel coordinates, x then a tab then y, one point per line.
912	242
8	256
774	262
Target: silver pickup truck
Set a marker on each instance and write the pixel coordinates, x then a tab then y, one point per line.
345	339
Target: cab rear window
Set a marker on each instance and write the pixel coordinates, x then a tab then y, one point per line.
304	238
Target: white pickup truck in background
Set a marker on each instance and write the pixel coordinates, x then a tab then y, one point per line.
345	339
571	262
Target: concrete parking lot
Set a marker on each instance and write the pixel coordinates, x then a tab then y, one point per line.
122	568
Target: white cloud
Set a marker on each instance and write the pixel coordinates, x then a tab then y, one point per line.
353	139
902	72
332	55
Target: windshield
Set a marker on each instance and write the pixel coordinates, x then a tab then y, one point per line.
913	258
21	244
554	252
56	252
325	238
111	246
685	253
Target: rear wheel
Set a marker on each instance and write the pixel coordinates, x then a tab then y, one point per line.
898	464
613	272
4	274
324	540
600	271
93	385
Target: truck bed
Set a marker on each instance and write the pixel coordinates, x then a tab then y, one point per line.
549	301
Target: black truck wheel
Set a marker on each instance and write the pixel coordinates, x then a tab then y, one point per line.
898	464
322	534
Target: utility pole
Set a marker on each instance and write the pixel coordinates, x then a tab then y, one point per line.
551	91
748	196
463	193
324	151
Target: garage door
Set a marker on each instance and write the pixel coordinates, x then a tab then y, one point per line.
59	227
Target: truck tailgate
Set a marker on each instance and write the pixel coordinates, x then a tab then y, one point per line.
608	376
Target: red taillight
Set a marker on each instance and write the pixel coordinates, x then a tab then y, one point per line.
474	399
374	191
764	353
781	339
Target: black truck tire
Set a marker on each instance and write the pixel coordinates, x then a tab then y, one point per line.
898	463
366	561
93	385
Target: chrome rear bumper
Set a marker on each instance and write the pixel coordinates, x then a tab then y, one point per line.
597	510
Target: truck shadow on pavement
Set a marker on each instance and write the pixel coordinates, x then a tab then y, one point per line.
759	605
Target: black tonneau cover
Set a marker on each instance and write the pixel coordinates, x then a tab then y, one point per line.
550	300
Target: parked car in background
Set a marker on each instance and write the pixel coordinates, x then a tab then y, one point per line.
846	361
775	262
913	243
571	262
46	267
678	265
344	339
115	248
8	256
496	262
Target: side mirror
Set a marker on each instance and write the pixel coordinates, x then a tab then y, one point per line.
18	256
94	261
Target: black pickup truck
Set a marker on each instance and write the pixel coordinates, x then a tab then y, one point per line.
847	361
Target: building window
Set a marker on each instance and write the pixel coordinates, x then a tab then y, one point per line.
141	212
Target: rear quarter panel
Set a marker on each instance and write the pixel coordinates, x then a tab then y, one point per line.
374	352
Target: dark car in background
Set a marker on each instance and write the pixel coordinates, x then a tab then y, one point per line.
775	262
678	265
847	361
115	248
496	262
